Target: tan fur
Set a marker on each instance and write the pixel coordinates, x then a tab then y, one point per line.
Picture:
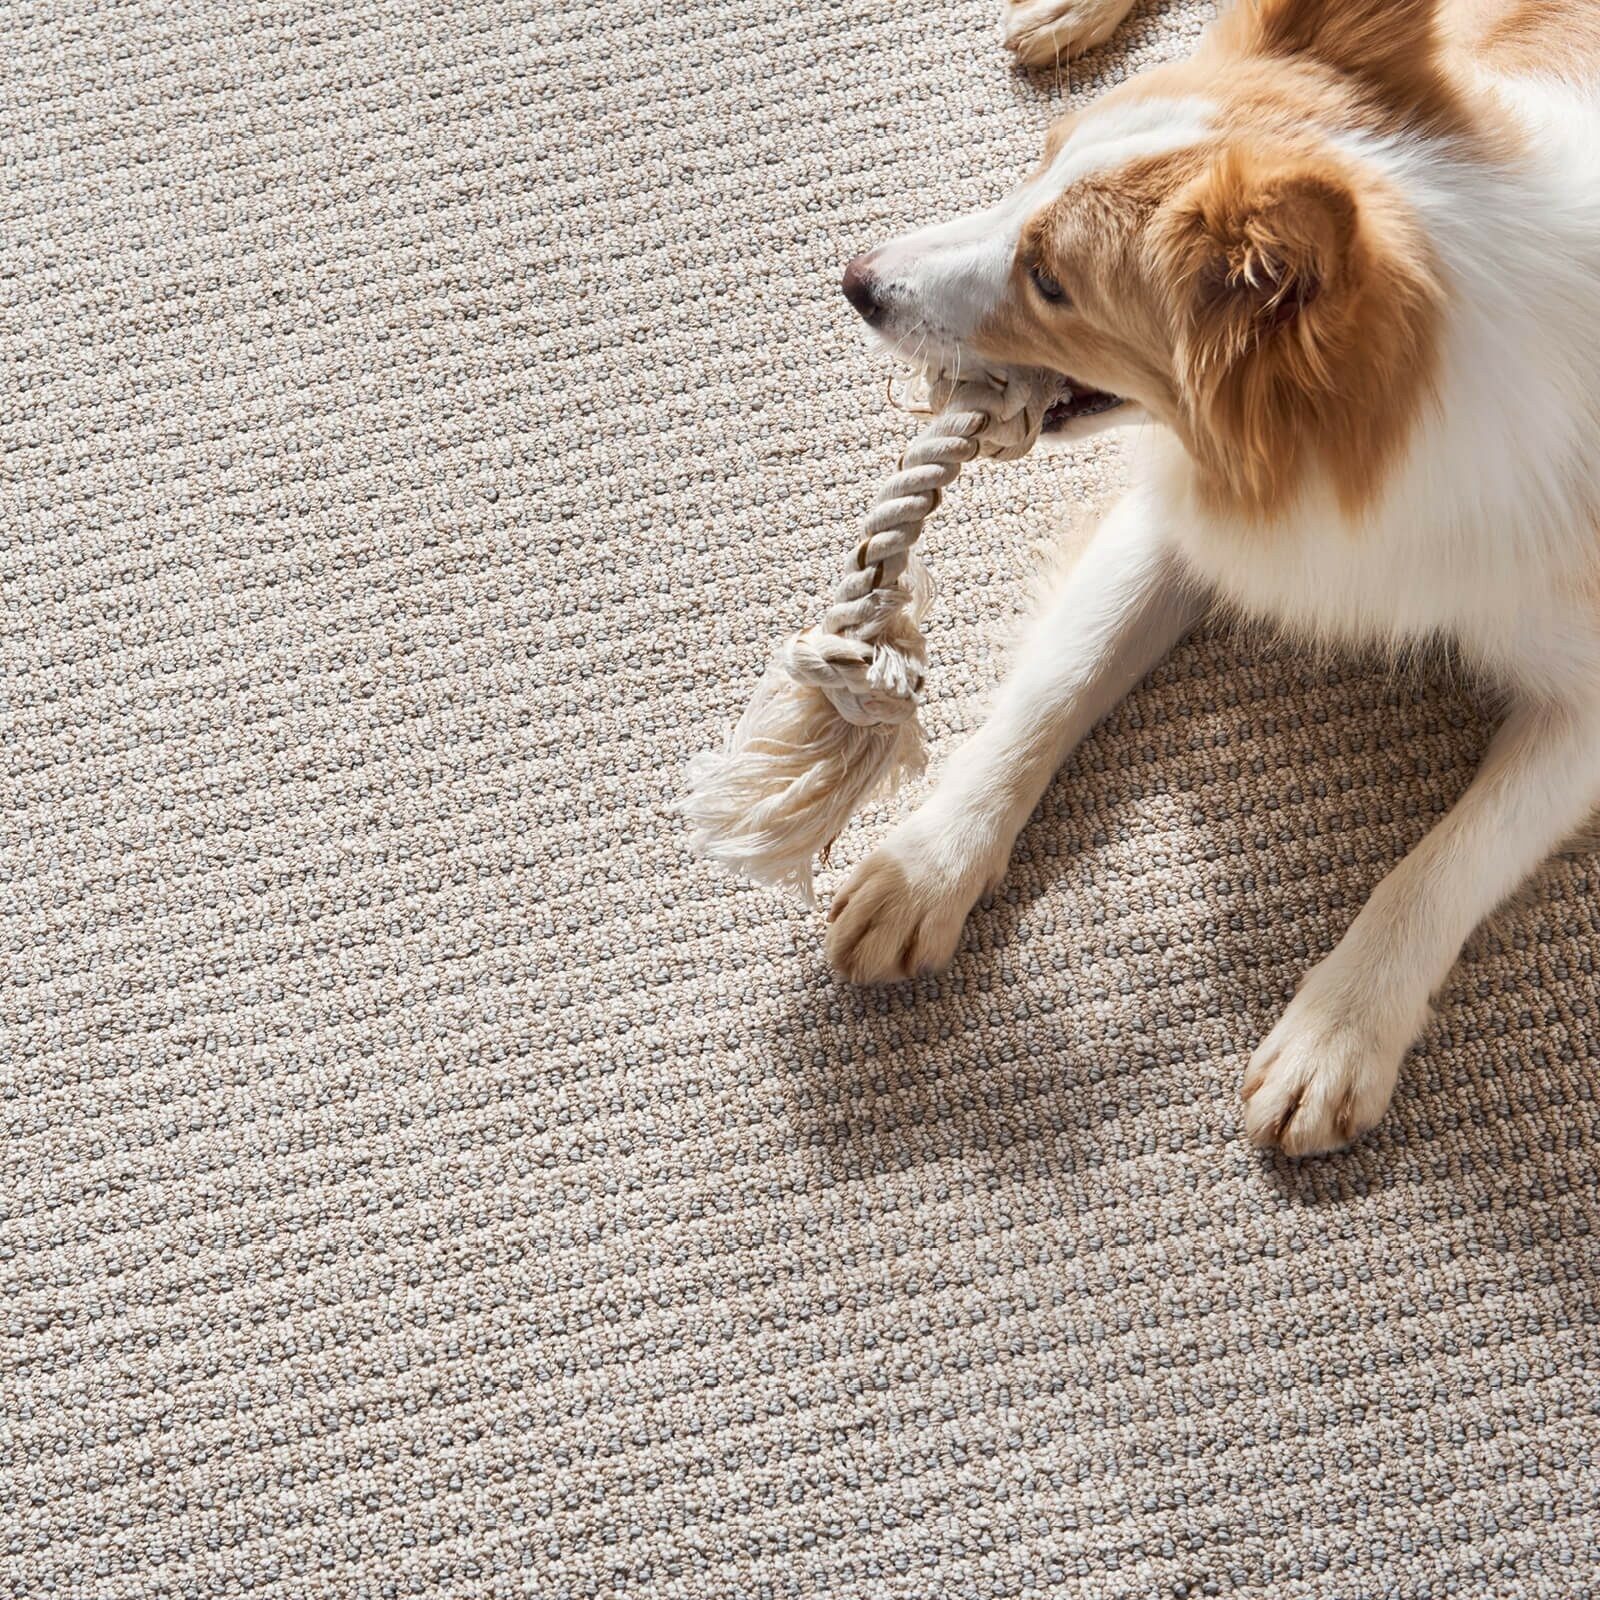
1114	334
1556	38
1272	306
1308	314
1388	51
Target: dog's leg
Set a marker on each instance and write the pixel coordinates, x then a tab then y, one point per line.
1326	1071
1118	611
1043	32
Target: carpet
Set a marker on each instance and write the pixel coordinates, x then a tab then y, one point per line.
417	1176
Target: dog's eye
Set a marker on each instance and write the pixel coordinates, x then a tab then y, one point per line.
1046	283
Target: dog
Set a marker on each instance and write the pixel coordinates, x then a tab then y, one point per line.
1346	260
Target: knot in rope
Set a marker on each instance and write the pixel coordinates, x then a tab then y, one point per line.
867	654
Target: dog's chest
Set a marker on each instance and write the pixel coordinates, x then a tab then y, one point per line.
1329	581
1404	580
1396	587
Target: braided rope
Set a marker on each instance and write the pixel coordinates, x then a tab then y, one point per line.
871	671
834	719
850	655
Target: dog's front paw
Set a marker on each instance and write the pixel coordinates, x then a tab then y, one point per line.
1325	1073
1042	32
901	911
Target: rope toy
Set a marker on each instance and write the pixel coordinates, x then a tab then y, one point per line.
834	719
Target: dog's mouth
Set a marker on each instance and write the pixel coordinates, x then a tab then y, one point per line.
1072	403
1076	402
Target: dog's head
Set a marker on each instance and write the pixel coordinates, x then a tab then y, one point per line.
1209	246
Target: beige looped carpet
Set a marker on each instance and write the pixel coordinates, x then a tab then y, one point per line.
419	1178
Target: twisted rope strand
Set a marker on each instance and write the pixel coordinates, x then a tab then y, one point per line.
834	720
871	672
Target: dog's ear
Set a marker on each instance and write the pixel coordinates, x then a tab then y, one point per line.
1269	267
1259	252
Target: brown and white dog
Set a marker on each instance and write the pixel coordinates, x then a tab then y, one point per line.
1348	259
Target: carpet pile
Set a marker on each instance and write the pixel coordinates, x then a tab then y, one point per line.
417	1176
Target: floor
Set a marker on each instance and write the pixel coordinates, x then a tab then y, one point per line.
417	1175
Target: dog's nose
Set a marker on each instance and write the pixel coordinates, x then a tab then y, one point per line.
861	288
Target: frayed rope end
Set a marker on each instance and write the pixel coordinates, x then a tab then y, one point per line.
834	720
788	779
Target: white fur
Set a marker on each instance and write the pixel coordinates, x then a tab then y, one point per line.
939	283
1048	32
1484	532
1484	535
